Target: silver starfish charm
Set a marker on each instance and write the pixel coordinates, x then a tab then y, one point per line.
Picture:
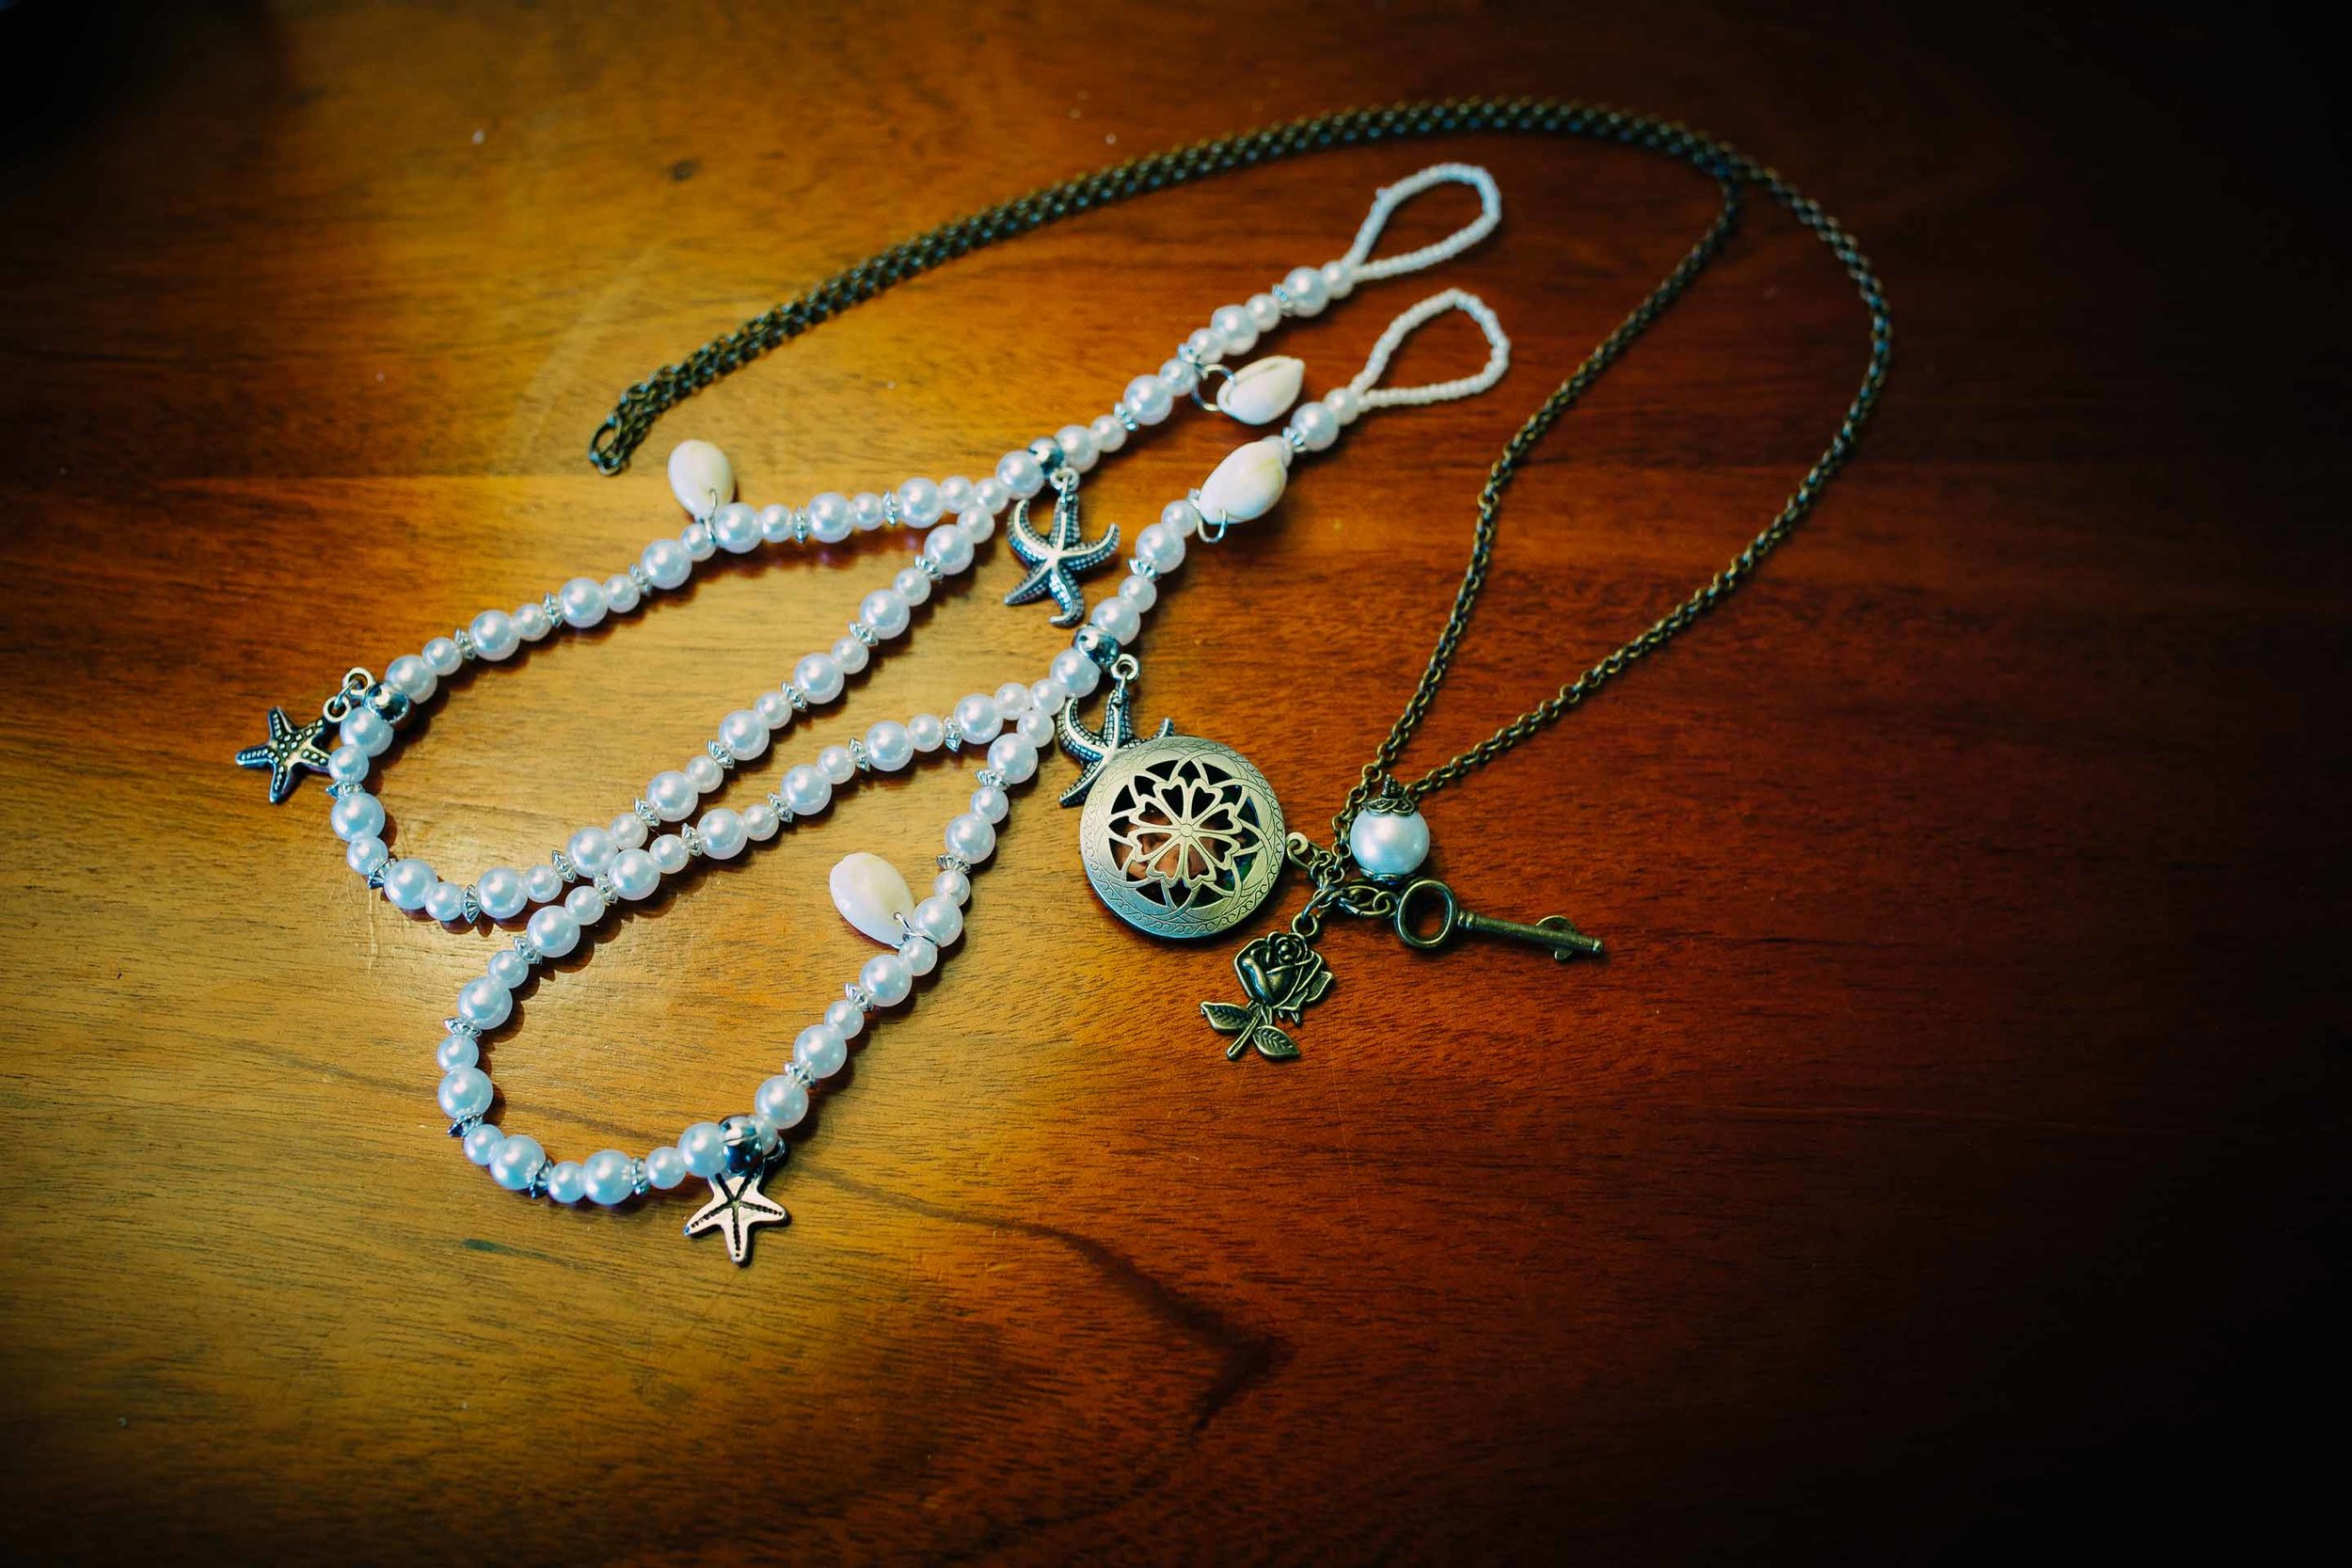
286	750
1094	749
735	1205
1055	563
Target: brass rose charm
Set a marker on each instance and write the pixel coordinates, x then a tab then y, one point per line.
1283	976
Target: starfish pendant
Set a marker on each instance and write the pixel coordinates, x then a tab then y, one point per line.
1092	750
1055	563
735	1205
286	750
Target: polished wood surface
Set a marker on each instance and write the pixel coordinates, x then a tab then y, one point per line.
1946	1156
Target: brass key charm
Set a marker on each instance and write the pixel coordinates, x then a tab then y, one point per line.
1552	932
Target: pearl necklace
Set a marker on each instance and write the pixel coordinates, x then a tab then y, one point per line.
601	868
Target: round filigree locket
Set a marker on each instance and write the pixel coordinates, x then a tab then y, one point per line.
1182	837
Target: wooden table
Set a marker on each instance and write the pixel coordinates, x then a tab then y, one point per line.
1946	1156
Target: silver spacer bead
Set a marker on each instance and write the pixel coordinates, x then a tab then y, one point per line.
800	525
637	576
857	755
1145	570
1184	352
528	951
554	606
989	777
646	814
376	878
784	813
459	1026
1282	298
463	639
639	1181
953	740
807	1079
723	753
337	791
1295	439
1118	412
793	694
859	994
537	1185
463	1125
473	903
953	863
564	867
693	839
890	511
606	891
864	633
929	568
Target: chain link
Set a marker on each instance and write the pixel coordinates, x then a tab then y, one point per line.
632	418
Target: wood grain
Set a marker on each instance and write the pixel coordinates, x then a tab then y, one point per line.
1948	1155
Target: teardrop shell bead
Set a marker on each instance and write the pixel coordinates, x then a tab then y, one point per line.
1261	391
1248	482
871	896
701	477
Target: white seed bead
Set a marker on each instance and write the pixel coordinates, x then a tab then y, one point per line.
672	795
745	733
889	746
976	719
634	875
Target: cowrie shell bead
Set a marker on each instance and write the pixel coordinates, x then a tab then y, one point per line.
698	472
1263	390
1248	482
871	896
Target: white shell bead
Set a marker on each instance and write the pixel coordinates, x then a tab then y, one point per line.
698	472
1263	390
1248	482
871	894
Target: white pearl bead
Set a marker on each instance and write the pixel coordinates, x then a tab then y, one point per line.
412	677
1077	446
542	884
1178	377
700	477
667	562
1316	425
620	593
844	1018
837	764
367	730
704	1149
1019	473
1013	756
1205	345
871	896
365	854
672	795
957	494
1181	518
886	978
760	821
581	601
518	1159
818	676
745	733
702	770
783	1100
976	719
883	612
992	498
868	511
1140	592
722	833
1339	279
953	885
1160	547
971	838
919	505
699	544
820	1052
911	583
1265	313
806	790
888	745
976	527
552	931
850	654
610	1176
950	548
775	523
406	883
628	830
482	1143
1074	672
991	804
585	905
445	902
635	877
1013	698
500	892
940	917
1036	725
1309	294
829	520
1232	323
358	814
485	1004
665	1167
532	621
669	854
466	1092
442	656
927	732
1109	434
919	956
736	527
1118	618
774	709
1388	843
508	968
1147	400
